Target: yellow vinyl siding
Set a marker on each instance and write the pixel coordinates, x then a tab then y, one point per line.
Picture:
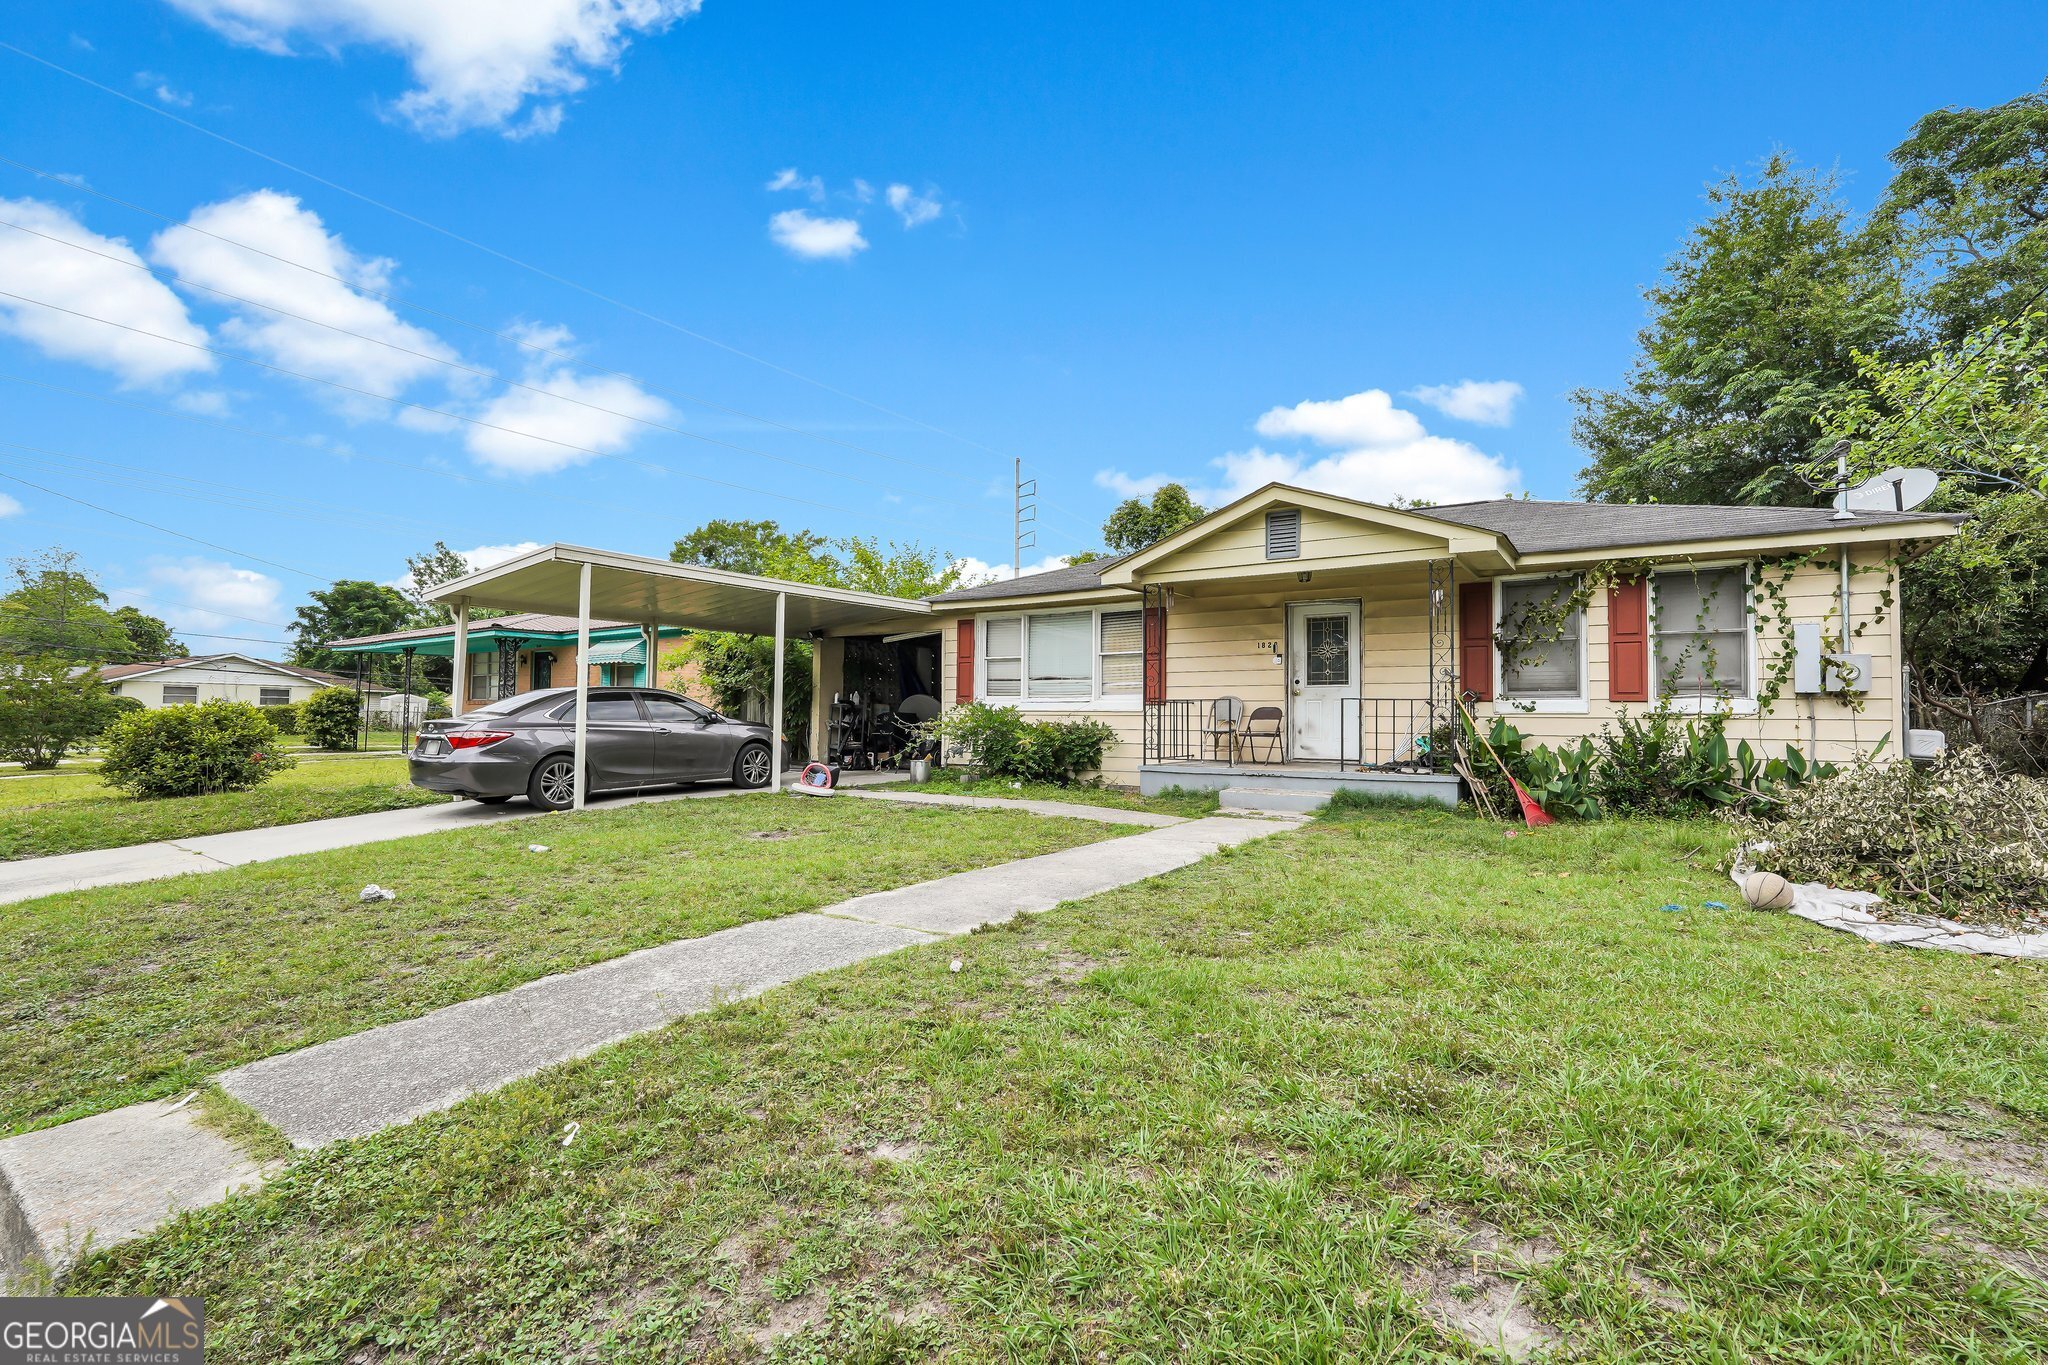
1323	537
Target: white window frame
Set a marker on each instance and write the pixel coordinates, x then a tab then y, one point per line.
1540	706
193	688
263	689
1094	701
1743	705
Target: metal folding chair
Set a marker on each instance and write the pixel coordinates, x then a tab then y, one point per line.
1225	714
1263	728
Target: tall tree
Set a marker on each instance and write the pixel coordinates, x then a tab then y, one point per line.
897	570
1753	335
48	705
350	608
759	547
1970	204
1975	606
55	608
149	637
1136	523
429	570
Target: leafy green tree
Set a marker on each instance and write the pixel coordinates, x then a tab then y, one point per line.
332	718
1970	205
760	547
1975	606
429	570
49	704
897	570
1754	333
148	636
1136	523
55	607
350	608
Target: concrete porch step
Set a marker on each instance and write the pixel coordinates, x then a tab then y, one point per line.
1271	800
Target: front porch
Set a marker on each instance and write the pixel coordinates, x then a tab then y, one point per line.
1384	746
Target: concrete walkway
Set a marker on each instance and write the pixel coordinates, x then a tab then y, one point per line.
1072	810
27	878
368	1081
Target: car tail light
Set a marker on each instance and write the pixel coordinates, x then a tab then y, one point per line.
476	739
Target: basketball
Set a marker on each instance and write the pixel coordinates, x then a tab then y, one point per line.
1767	891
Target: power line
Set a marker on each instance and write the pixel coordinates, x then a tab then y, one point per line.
226	550
500	255
511	338
491	375
438	412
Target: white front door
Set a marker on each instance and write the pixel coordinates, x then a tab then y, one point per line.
1322	677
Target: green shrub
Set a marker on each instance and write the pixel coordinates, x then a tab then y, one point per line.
285	718
48	706
216	746
999	742
437	705
331	718
1959	836
118	707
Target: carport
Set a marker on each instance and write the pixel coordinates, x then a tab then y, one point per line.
570	580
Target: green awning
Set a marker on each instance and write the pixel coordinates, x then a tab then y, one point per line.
633	651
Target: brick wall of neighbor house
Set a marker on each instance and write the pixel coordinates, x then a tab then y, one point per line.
1215	638
682	678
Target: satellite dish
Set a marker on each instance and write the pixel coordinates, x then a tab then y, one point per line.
1895	490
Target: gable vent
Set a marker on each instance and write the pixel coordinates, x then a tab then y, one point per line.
1283	534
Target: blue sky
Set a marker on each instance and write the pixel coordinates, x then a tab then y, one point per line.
1366	248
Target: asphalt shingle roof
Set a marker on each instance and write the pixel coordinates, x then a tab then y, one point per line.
1534	527
115	672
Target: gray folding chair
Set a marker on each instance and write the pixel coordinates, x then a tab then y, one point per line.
1262	730
1225	715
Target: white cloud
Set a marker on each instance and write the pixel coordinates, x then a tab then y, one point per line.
1380	453
1489	402
475	63
197	595
10	507
804	234
788	179
478	558
84	283
161	87
914	209
974	571
279	224
546	415
1125	486
203	402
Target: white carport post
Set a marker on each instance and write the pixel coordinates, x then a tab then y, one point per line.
458	690
775	706
582	681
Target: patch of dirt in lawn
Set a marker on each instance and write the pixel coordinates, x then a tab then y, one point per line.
1060	968
1972	1147
1466	1294
895	1152
778	834
1663	1295
2028	1265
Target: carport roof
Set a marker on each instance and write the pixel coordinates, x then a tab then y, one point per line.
637	588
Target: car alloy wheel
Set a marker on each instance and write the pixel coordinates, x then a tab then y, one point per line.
754	766
558	782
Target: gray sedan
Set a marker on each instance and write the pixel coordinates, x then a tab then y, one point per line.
637	738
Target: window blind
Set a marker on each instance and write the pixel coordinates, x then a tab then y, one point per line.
1123	652
1060	649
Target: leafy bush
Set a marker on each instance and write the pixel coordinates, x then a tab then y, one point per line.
999	742
331	718
437	704
216	746
118	706
1656	763
286	717
1959	836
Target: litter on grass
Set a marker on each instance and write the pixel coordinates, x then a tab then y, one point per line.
374	892
536	848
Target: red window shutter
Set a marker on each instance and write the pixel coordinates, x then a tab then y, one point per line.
963	689
1155	655
1475	639
1628	640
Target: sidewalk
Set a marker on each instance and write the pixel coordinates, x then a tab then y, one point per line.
118	1175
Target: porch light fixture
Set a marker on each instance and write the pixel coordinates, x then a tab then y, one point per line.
1302	577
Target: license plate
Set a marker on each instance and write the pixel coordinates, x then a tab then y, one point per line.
432	748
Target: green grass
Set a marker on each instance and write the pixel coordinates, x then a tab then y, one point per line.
1174	801
1224	1115
69	814
124	993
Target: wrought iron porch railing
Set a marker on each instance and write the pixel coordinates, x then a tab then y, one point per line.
1378	734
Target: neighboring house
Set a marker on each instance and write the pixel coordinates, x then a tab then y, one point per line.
527	650
1347	631
220	677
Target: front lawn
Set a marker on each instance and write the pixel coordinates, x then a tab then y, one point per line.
70	813
1178	801
121	993
1322	1097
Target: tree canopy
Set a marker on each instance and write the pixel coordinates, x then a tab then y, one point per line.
56	608
1137	523
149	637
349	608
